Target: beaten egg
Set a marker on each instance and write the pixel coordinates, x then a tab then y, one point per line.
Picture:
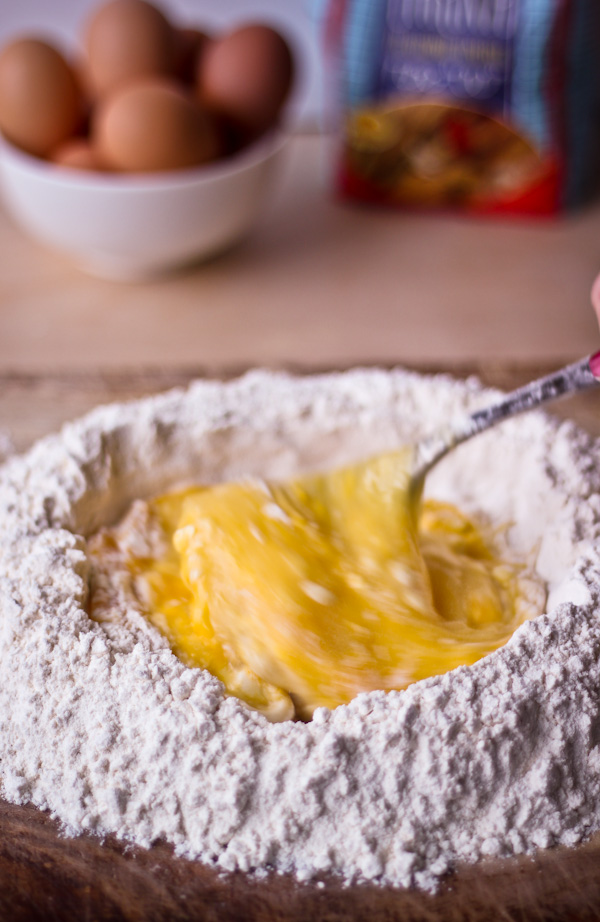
307	593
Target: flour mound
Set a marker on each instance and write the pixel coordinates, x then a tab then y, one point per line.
105	728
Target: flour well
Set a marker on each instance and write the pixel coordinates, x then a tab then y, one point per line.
104	727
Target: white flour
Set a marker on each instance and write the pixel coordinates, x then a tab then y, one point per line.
104	727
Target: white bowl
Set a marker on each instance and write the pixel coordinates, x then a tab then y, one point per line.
137	225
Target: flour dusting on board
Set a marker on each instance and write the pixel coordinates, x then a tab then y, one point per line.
104	727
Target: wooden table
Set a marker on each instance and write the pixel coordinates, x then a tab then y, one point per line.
319	285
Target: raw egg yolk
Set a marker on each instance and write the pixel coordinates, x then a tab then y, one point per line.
306	593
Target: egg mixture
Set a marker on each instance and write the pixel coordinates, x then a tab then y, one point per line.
303	594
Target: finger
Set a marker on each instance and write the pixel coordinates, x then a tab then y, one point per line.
596	296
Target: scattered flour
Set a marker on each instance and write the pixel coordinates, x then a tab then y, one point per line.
105	728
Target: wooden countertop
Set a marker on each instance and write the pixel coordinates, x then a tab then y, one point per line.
319	283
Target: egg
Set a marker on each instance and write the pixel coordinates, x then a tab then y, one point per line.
40	100
247	75
126	40
77	154
153	125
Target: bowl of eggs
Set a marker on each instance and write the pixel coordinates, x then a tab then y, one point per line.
153	149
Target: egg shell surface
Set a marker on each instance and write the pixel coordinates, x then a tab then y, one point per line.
247	75
153	125
40	100
126	40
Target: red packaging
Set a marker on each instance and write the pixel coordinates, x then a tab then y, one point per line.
486	106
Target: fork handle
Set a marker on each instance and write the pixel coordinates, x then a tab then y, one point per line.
576	377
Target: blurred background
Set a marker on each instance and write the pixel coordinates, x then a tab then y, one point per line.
321	282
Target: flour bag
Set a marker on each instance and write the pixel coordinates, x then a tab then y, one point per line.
486	106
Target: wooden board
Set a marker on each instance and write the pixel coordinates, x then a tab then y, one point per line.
46	877
32	405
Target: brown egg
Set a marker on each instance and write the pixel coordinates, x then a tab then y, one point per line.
153	125
190	44
247	75
126	40
78	154
40	100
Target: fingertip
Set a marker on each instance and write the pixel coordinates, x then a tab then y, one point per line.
596	296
